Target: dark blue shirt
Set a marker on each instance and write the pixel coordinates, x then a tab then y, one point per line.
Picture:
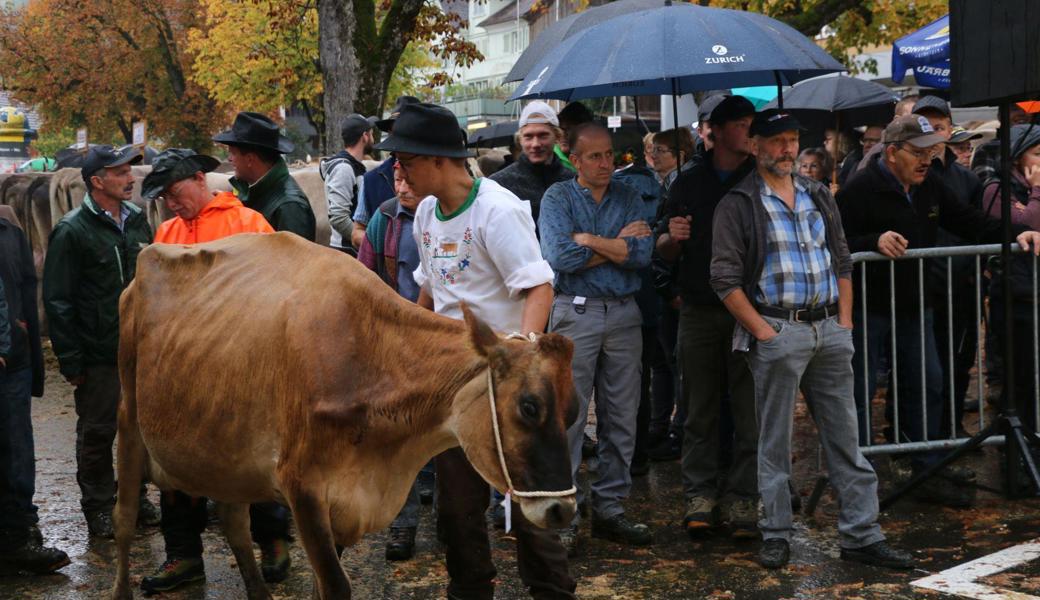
407	256
568	208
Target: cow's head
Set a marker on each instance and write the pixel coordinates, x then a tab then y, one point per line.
534	395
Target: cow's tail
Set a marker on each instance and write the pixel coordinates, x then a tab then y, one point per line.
131	456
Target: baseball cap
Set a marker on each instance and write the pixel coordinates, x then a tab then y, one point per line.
107	157
355	125
731	108
707	105
912	129
931	103
539	112
959	134
173	165
774	121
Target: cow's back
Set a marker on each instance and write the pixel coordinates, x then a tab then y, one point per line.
232	341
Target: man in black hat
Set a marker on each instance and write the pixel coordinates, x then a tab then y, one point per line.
341	173
262	180
377	186
91	259
789	287
476	244
705	331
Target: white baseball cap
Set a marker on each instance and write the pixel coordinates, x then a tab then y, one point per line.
538	112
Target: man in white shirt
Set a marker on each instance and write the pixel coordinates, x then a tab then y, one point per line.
476	245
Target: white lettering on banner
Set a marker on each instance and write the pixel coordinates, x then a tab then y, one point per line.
940	71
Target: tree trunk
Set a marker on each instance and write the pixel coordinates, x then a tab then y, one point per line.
339	63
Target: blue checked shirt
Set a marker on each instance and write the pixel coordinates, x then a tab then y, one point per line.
797	272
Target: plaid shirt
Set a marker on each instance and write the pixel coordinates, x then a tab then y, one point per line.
797	272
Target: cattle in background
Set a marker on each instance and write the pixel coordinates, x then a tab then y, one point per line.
263	368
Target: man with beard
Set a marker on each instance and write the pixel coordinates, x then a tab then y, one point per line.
91	259
788	286
341	173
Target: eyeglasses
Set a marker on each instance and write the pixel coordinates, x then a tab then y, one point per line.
660	150
922	155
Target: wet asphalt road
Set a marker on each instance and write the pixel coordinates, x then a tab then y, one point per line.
714	567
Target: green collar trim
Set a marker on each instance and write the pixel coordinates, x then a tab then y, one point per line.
563	158
465	205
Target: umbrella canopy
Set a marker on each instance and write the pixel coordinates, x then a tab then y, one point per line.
1033	106
675	49
759	95
492	136
856	101
927	52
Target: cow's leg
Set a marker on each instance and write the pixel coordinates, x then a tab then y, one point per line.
130	463
315	529
234	519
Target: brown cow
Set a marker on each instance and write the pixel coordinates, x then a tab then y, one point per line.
263	367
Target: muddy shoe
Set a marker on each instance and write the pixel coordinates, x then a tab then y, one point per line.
702	513
619	529
147	514
774	554
99	524
743	519
33	557
174	573
275	561
879	554
401	545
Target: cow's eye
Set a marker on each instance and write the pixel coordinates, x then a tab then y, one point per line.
529	409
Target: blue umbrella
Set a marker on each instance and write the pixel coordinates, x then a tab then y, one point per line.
759	95
675	49
927	52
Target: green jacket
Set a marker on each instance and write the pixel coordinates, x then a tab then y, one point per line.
279	198
566	160
89	264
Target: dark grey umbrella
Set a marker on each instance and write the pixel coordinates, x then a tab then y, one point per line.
493	136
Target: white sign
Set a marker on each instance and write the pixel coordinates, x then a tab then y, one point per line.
81	138
614	121
140	128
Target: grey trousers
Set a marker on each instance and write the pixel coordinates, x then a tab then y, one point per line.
608	345
818	357
709	368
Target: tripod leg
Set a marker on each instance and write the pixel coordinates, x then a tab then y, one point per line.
817	493
1018	440
968	446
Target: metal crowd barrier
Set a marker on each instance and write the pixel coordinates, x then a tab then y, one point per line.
860	260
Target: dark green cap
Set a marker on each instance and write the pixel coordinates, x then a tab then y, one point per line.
173	165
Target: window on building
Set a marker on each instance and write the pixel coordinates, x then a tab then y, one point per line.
511	43
479	10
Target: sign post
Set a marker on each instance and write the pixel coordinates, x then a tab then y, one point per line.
81	140
140	137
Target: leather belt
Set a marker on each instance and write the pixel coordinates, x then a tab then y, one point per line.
802	315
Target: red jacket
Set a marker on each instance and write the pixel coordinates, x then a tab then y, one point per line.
224	216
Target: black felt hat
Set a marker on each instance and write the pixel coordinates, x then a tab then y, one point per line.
255	129
387	124
426	130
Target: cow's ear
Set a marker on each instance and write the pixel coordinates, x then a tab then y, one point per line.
557	346
483	338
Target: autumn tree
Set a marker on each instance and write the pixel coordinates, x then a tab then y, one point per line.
104	64
361	42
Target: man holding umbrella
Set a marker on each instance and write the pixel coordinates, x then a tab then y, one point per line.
262	181
476	245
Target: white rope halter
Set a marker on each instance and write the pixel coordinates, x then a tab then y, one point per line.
507	503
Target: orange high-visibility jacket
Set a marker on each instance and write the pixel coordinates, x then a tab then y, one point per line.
224	216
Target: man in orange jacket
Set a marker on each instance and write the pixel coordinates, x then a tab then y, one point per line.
178	179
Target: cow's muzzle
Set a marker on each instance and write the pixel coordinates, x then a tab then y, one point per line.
549	513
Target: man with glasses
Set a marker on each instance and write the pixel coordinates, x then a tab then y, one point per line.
897	203
871	137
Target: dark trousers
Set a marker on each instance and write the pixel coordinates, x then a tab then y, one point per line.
651	354
17	457
184	520
1025	357
665	378
462	500
97	400
965	343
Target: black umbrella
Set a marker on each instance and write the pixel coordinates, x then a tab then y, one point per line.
851	101
493	136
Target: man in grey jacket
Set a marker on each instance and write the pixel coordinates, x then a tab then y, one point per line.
781	266
342	172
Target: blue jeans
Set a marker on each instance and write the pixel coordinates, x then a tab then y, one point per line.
914	420
17	454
